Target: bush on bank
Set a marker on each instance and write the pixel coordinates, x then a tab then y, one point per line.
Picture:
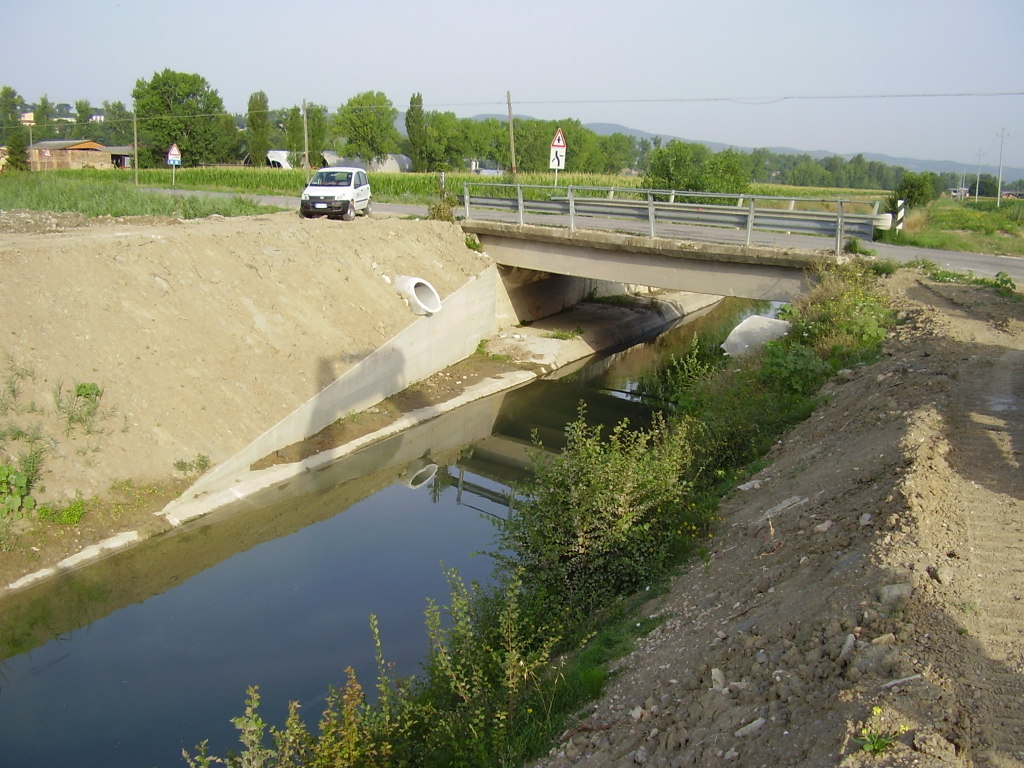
608	516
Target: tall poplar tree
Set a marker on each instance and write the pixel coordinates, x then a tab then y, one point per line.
257	128
416	130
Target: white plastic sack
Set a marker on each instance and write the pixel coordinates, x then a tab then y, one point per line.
749	335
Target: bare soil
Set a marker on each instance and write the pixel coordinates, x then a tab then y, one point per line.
200	334
869	582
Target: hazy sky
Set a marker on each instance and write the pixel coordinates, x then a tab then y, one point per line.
867	76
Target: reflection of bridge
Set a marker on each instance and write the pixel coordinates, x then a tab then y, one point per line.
754	272
541	410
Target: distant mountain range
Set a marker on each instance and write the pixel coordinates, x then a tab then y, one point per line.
911	164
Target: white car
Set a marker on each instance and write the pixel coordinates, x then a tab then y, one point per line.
336	192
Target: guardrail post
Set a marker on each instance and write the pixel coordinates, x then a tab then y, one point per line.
650	213
572	210
465	197
839	227
750	219
519	196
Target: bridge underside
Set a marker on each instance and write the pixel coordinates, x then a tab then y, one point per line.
722	270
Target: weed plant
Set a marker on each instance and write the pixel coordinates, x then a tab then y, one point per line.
1002	283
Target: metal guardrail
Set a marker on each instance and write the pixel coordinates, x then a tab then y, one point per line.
661	209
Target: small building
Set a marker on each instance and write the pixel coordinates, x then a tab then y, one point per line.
71	154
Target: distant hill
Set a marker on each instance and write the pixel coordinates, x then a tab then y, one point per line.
911	164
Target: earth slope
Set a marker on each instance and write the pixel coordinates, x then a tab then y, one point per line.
871	578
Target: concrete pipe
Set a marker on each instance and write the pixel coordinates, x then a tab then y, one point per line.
422	298
419	473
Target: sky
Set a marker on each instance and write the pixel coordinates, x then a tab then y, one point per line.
924	79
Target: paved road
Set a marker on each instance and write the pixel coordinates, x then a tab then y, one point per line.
980	264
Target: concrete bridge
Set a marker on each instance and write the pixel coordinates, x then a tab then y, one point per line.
748	271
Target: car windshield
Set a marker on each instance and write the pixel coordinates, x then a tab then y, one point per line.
332	179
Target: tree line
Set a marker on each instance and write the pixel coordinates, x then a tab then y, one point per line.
183	109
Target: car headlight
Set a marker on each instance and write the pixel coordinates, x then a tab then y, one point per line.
305	196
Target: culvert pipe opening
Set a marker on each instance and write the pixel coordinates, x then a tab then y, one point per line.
420	473
422	297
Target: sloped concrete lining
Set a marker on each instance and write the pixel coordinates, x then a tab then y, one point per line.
422	296
430	344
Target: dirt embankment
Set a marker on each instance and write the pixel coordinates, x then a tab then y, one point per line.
869	582
200	335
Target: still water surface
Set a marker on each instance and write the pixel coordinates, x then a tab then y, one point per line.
289	614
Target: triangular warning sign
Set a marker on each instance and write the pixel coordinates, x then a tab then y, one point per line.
559	141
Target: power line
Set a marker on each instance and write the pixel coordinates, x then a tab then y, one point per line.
746	100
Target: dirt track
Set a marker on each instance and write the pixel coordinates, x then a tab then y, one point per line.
877	562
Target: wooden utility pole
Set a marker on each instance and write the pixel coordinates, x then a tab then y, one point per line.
511	132
999	184
135	142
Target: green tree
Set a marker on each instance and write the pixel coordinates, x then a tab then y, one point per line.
445	145
318	125
42	116
677	165
82	128
416	131
115	130
916	189
367	121
618	152
311	134
17	149
807	173
725	171
11	107
179	108
487	141
294	136
257	128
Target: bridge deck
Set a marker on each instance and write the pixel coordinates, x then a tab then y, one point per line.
755	272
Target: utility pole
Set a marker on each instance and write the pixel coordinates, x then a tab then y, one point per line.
135	142
511	133
977	178
999	186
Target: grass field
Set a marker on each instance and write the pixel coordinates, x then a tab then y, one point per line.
977	226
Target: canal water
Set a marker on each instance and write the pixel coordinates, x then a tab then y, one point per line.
130	661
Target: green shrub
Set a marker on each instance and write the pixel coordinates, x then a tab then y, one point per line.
590	526
792	368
